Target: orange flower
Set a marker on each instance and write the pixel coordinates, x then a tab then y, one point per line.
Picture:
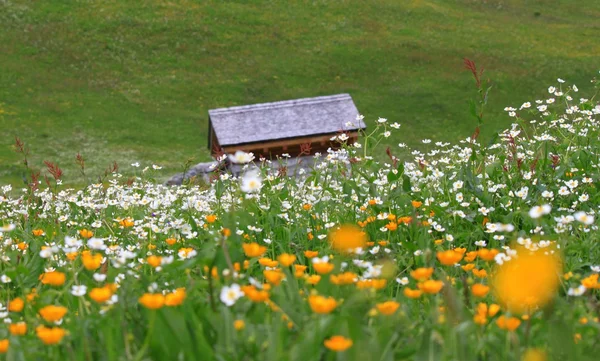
470	257
274	277
468	266
52	313
286	259
91	261
479	290
86	233
405	220
239	325
211	218
410	293
16	305
510	323
338	343
323	267
38	232
267	262
152	301
307	206
4	345
449	257
591	281
493	310
175	298
374	283
391	226
17	329
527	281
416	204
313	279
421	274
299	270
226	232
154	261
487	254
431	287
171	241
347	238
254	294
101	294
387	308
50	335
126	223
535	354
54	278
346	278
22	246
253	249
481	273
322	305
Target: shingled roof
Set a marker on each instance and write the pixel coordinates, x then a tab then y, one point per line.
284	119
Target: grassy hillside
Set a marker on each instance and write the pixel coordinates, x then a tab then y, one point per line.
132	81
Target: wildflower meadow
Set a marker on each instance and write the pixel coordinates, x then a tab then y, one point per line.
463	251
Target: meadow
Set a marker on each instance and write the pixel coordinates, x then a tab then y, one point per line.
128	81
464	252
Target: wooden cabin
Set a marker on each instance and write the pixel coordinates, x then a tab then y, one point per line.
272	129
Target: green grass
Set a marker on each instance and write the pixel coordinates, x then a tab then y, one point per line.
133	81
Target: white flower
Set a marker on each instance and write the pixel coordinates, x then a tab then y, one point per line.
78	290
403	281
381	120
577	291
5	279
99	277
241	157
584	218
251	182
96	243
595	269
7	228
229	295
538	211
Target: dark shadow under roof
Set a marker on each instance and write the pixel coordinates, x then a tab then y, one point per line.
284	119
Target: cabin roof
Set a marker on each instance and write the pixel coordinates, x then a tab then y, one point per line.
284	119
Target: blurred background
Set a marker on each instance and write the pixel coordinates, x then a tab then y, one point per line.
132	81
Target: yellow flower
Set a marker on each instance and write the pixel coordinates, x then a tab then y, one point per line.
421	274
53	313
152	301
527	281
322	305
338	343
16	305
534	354
431	287
17	329
286	259
175	298
410	293
253	249
50	335
479	290
387	308
4	345
54	278
449	257
347	238
86	233
91	261
101	294
239	324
